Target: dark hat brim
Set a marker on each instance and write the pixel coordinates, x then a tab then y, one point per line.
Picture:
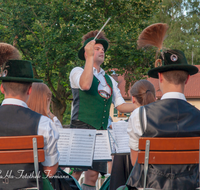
18	71
18	79
98	41
191	69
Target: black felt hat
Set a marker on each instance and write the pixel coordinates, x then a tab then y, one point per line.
98	41
18	71
172	60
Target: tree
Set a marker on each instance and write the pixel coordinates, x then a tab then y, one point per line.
182	16
48	32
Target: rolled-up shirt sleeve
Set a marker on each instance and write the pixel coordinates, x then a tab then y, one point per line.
134	129
117	98
75	76
51	137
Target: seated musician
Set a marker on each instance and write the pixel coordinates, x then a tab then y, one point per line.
18	120
172	116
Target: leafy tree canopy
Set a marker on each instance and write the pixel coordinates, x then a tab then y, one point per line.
183	17
48	32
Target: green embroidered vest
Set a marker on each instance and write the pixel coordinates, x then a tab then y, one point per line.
90	107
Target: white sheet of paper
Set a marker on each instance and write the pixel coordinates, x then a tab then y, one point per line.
102	149
121	136
111	139
76	146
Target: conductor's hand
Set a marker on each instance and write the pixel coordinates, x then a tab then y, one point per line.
89	49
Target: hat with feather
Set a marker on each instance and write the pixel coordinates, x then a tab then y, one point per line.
101	39
12	68
169	60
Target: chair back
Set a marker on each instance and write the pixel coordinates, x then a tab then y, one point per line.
21	150
179	150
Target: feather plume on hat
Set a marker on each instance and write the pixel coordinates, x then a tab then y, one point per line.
153	35
7	52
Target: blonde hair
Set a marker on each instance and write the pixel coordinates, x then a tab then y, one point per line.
38	99
143	91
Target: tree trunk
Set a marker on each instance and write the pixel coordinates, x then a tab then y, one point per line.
58	108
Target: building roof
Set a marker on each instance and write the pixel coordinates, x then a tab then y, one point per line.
192	88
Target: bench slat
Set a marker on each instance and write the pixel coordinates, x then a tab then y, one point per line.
20	156
20	142
181	157
179	143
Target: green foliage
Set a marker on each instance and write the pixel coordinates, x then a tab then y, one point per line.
183	17
1	98
67	114
49	32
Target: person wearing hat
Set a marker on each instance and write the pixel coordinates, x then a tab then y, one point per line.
18	120
93	92
172	116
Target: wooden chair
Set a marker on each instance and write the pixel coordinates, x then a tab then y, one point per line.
182	150
22	149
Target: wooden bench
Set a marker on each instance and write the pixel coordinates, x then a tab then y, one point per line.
22	149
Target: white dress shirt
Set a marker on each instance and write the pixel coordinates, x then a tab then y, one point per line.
56	123
45	128
134	129
76	73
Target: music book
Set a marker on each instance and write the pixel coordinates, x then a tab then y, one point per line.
102	151
79	147
119	138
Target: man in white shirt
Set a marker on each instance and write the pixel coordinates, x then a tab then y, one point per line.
93	92
171	116
17	119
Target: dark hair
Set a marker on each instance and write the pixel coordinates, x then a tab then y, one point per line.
176	77
16	88
93	34
143	91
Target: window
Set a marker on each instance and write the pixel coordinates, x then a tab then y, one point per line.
115	112
119	114
123	114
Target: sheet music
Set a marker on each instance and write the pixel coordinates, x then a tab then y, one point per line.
111	139
121	136
76	146
102	149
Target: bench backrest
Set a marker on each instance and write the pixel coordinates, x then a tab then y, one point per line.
19	149
180	150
